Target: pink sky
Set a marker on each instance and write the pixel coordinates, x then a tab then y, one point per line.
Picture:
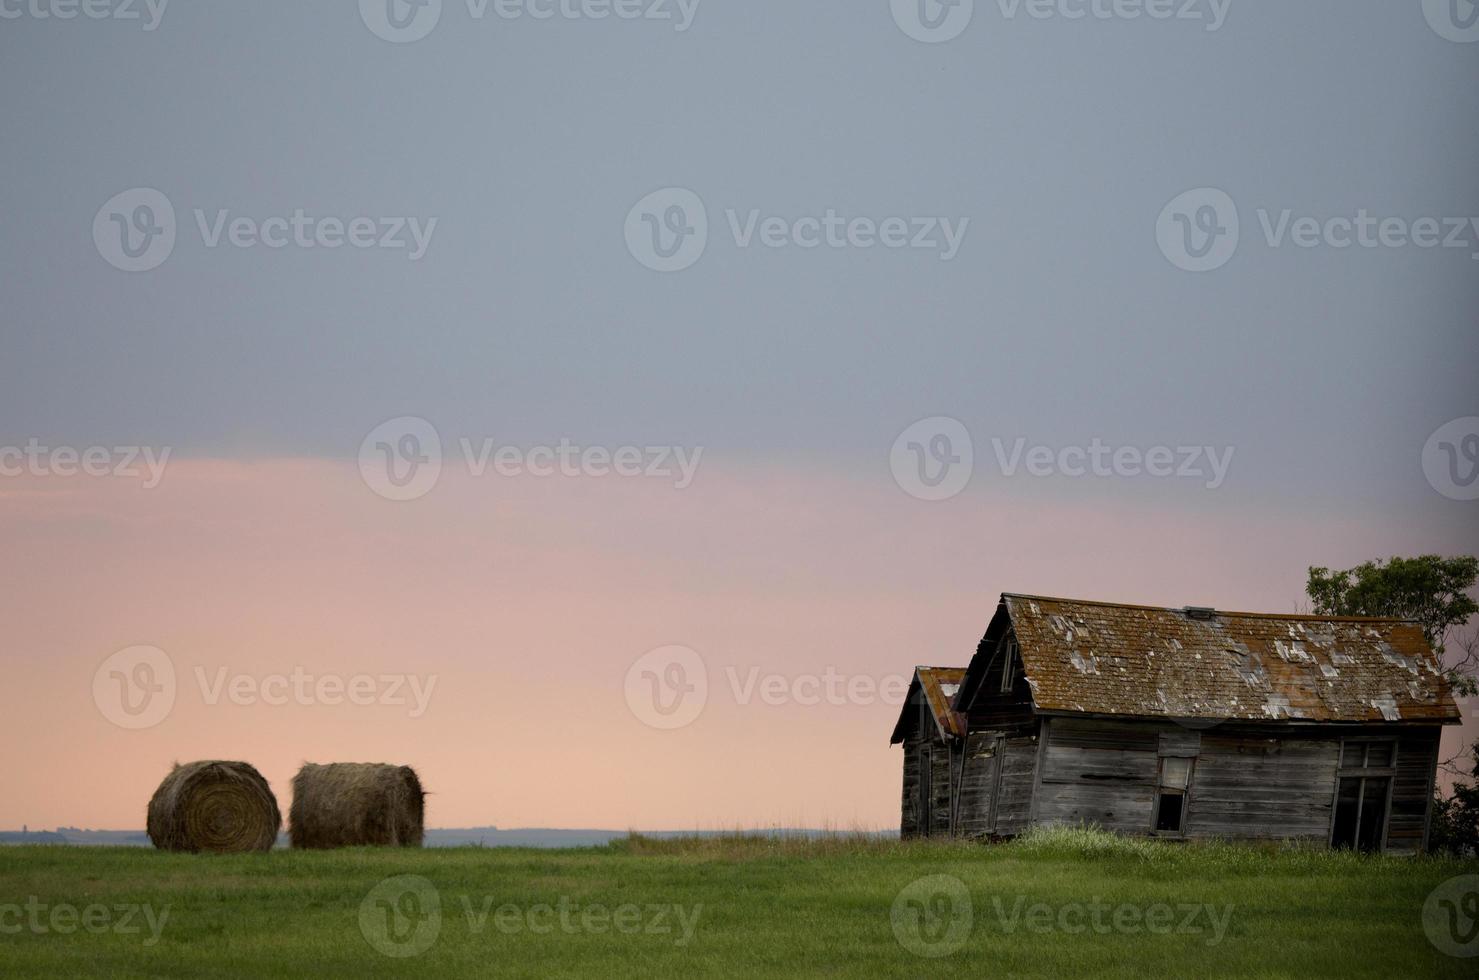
528	600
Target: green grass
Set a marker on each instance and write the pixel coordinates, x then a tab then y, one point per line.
763	907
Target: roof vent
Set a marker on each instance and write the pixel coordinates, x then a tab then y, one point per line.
1200	612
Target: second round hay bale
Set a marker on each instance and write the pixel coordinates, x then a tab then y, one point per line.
357	804
214	807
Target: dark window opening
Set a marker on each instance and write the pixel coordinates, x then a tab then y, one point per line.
1371	827
1170	800
1168	812
1361	813
1347	810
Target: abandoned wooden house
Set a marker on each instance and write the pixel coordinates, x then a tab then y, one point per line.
1182	723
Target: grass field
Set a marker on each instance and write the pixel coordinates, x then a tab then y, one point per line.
1067	903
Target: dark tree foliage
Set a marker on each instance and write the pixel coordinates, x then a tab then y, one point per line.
1455	828
1432	590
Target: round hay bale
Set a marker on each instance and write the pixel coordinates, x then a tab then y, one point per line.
215	807
356	804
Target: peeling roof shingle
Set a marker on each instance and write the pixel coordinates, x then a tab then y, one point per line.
1101	658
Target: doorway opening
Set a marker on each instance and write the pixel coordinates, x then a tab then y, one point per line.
1362	795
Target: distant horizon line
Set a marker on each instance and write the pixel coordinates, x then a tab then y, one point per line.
512	830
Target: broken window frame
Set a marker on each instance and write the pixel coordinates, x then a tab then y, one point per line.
1163	788
1361	773
1010	663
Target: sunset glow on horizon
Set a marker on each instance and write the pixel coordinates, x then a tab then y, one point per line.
494	622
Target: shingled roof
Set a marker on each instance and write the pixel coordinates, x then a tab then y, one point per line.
939	685
1143	661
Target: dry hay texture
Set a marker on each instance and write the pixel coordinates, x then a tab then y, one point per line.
214	807
354	804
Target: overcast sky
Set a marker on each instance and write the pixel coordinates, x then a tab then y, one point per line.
1036	162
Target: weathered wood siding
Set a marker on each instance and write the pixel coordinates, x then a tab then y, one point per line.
909	820
940	790
1253	785
1247	783
922	738
927	769
996	710
1018	776
977	786
1099	772
1000	759
1244	784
